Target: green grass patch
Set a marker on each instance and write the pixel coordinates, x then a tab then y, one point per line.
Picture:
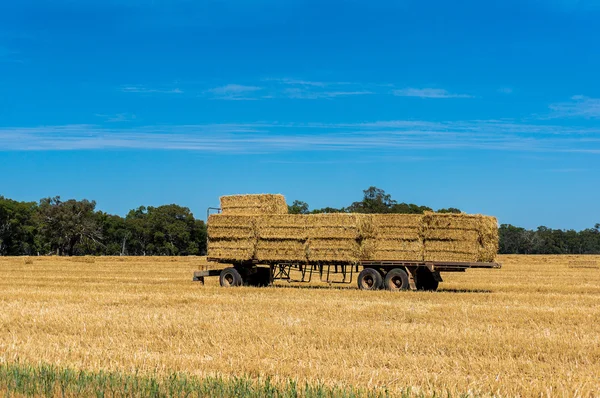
46	380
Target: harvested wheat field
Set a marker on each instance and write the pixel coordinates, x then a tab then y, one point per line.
529	329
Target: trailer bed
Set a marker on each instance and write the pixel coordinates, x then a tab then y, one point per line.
324	271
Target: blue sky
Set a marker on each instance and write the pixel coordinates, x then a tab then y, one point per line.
492	107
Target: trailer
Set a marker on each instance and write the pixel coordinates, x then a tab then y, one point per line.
369	275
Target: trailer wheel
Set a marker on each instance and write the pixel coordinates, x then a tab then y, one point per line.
230	277
396	279
426	280
369	279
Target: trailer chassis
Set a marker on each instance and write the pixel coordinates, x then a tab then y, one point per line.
391	275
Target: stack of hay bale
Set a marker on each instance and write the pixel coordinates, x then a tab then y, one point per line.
231	237
333	238
459	237
281	237
257	227
393	237
253	204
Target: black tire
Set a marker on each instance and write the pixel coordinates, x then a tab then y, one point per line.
369	279
230	277
396	280
262	277
426	281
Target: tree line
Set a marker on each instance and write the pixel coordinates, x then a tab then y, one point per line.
74	227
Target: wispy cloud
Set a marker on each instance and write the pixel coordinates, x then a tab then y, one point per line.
150	90
119	117
380	137
505	90
428	93
10	56
299	82
310	83
233	92
300	93
579	106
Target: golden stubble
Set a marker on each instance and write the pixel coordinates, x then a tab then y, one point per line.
531	328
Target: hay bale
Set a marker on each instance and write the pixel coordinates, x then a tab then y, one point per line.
459	246
488	239
391	249
253	204
451	221
397	220
225	226
282	226
232	249
332	226
451	234
397	226
449	256
334	250
281	250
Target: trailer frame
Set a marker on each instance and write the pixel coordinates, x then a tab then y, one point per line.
279	270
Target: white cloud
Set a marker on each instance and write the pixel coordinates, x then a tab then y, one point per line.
428	93
119	117
233	92
7	55
299	82
505	90
148	90
299	93
377	138
579	106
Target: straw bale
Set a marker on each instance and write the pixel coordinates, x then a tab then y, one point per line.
449	256
397	226
451	220
253	204
225	226
337	250
398	255
281	250
332	226
397	220
282	226
460	246
391	249
365	226
488	239
234	249
451	234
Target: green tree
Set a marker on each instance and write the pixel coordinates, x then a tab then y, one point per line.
298	207
17	227
65	226
375	200
453	210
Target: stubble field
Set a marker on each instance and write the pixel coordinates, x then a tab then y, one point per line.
529	329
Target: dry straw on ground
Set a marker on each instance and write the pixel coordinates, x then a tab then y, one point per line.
529	329
254	204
